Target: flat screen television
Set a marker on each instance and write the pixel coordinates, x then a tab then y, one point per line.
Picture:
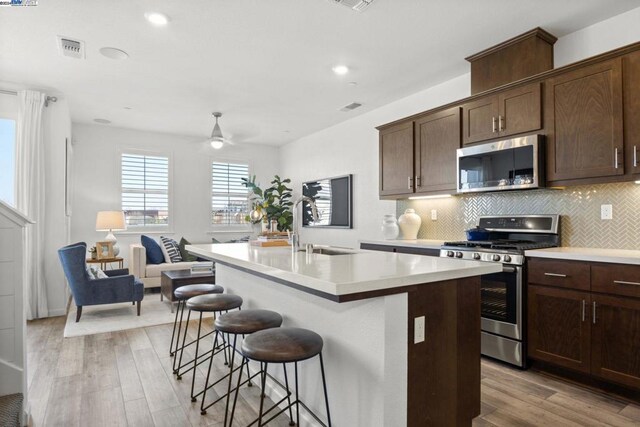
333	200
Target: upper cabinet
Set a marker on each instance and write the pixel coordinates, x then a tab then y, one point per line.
584	122
437	139
419	156
396	159
631	89
504	114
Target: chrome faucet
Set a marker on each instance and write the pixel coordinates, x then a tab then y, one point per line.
295	235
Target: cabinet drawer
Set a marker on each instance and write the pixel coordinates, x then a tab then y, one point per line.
617	279
563	274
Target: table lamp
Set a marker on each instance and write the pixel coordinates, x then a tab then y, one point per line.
109	221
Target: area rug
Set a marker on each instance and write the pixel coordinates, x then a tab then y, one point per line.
98	319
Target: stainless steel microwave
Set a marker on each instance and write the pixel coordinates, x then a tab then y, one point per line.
511	164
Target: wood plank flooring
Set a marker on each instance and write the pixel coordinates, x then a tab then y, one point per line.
125	379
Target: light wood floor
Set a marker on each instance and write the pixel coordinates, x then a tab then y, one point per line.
124	378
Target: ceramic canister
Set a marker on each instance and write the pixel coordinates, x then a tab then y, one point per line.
390	229
409	223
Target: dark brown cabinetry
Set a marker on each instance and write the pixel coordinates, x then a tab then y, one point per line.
586	317
437	139
584	122
508	113
420	156
396	159
631	90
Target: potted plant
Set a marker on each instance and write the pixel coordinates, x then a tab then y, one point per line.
274	202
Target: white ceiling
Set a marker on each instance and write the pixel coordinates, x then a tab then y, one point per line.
266	64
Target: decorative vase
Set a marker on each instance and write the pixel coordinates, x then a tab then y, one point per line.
409	223
390	229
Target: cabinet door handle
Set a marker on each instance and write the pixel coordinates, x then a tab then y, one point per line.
555	275
409	183
635	156
584	309
500	123
622	282
493	124
418	184
615	158
594	313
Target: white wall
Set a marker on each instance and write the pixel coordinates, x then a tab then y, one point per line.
352	146
97	182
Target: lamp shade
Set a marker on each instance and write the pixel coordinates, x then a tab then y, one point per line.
110	220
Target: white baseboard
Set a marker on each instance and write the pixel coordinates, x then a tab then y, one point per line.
58	312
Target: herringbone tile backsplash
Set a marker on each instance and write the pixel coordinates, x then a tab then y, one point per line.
579	208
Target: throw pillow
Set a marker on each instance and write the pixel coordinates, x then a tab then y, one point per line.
96	273
186	256
154	252
171	249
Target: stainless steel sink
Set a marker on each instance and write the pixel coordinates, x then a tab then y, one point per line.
328	250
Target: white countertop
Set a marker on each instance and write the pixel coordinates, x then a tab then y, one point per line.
417	243
616	256
338	275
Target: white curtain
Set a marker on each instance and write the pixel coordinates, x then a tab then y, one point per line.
30	181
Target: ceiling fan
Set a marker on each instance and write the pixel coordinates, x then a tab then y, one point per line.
217	140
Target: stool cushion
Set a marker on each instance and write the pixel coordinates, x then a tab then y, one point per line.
214	302
188	291
248	321
280	345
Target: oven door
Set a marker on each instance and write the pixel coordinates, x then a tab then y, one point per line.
501	302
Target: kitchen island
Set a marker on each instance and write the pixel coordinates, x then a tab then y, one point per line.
366	306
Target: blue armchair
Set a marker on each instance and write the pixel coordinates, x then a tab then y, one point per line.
120	286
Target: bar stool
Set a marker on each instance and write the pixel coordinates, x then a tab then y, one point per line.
182	294
209	303
283	345
236	323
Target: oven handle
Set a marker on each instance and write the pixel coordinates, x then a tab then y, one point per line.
508	269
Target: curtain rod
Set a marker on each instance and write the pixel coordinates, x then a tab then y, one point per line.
46	100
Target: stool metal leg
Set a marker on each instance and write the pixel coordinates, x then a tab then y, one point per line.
286	383
175	324
244	362
184	339
233	355
297	395
206	383
262	396
324	386
195	359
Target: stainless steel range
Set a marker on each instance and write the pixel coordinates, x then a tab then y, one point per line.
502	299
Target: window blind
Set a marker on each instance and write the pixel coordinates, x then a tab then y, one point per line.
229	198
145	190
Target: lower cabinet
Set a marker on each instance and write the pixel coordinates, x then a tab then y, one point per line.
595	333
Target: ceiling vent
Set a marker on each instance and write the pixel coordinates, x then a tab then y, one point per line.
357	5
71	48
351	106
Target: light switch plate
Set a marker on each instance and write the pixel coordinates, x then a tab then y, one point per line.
418	330
606	211
434	215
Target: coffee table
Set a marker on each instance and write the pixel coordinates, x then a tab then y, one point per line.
173	279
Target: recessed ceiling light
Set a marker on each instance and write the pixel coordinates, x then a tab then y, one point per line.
157	19
353	83
127	108
102	121
340	70
113	53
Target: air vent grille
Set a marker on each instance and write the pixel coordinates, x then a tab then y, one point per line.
351	106
357	5
71	48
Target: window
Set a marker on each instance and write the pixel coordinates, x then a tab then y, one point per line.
7	160
229	198
145	190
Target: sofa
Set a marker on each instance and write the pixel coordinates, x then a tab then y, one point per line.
150	274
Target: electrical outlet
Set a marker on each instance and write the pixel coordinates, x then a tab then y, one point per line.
418	329
434	215
606	211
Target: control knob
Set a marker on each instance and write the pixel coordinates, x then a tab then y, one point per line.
476	255
450	254
496	257
458	254
507	258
